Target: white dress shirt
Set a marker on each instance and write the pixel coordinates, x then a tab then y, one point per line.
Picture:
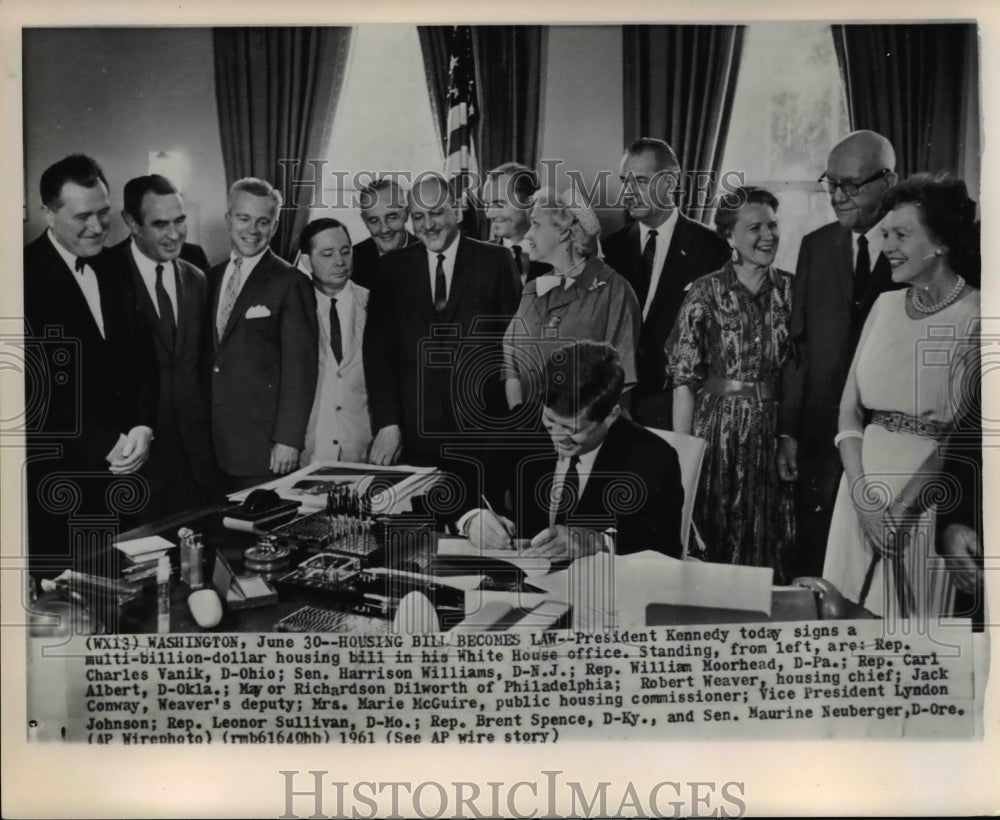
249	263
664	235
147	270
448	264
86	280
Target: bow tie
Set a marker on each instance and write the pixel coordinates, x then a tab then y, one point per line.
546	282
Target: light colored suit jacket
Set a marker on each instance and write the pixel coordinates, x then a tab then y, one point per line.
263	369
339	428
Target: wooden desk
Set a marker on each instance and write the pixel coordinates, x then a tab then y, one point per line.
799	605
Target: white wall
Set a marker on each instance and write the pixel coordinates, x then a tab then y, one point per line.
118	94
582	106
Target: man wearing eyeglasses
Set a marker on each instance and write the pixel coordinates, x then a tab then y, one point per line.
600	482
841	271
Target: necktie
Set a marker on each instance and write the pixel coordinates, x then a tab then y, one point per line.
646	271
569	492
336	341
517	261
228	301
862	269
163	306
79	265
440	287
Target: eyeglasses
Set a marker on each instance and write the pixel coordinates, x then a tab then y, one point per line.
849	187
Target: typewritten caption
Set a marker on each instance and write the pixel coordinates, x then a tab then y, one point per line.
822	679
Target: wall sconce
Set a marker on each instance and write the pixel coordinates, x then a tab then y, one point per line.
174	165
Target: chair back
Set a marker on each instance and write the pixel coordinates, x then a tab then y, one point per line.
691	454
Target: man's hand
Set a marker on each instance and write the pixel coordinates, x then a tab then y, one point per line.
788	459
487	531
134	451
961	546
561	541
284	459
388	445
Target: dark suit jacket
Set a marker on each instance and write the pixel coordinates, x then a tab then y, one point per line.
82	390
181	406
634	487
264	369
112	379
438	378
366	258
825	330
694	251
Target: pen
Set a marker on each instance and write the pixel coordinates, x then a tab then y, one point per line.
510	536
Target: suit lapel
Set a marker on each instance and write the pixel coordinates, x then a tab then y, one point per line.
842	263
634	252
606	464
254	282
108	289
420	284
355	337
145	304
461	274
674	273
62	279
186	302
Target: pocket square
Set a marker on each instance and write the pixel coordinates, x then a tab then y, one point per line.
257	312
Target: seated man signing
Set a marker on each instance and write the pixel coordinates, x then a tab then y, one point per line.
600	483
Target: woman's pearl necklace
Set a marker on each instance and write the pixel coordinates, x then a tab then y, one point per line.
953	294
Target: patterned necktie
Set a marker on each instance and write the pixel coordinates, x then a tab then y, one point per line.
336	341
568	492
646	271
862	269
228	300
440	287
164	307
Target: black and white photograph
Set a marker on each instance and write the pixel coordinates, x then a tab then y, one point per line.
448	412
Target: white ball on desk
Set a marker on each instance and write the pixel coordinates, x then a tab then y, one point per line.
205	607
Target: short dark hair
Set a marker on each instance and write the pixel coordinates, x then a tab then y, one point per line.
666	159
945	209
582	376
136	190
318	226
732	203
522	178
78	168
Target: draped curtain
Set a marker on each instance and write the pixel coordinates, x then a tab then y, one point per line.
509	62
277	91
680	82
510	70
908	83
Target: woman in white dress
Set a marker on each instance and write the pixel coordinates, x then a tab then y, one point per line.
914	370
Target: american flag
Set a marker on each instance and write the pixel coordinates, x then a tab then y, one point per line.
463	104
